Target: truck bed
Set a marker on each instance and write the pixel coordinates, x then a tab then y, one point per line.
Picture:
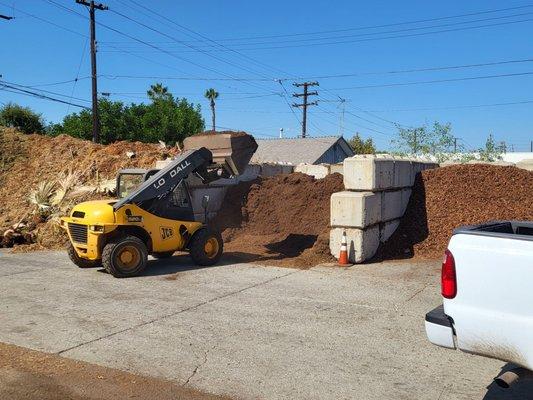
503	229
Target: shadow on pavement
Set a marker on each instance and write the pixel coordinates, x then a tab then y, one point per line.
521	390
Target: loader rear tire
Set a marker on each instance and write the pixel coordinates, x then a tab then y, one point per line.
81	262
125	256
165	254
206	247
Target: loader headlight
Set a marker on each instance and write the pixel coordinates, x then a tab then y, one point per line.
96	228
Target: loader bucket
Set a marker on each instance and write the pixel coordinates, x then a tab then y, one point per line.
232	150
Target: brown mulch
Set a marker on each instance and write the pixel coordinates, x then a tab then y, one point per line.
27	160
32	375
448	197
281	220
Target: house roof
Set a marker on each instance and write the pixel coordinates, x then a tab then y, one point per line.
296	150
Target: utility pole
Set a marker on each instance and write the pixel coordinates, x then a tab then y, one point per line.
531	146
455	145
92	8
341	117
305	103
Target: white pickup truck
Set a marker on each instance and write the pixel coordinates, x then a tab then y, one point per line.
487	289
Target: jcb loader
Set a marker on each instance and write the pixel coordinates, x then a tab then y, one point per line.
153	214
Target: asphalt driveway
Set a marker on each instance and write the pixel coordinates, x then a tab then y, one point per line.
247	331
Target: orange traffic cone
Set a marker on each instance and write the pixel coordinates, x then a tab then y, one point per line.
343	256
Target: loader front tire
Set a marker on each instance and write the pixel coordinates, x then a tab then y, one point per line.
206	247
125	256
81	262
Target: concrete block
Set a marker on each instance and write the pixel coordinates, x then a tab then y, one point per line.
391	205
406	196
403	173
386	229
287	169
368	173
355	209
362	243
251	172
317	171
336	169
525	164
271	169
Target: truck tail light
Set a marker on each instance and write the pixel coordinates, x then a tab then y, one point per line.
448	277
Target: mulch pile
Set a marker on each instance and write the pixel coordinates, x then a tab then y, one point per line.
26	160
446	198
281	220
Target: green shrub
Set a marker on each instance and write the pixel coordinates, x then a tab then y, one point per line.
22	118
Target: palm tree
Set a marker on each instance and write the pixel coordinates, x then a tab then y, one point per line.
157	91
211	95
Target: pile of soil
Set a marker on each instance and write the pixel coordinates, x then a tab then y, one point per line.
27	160
281	220
448	197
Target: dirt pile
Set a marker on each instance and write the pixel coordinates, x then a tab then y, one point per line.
446	198
27	160
280	220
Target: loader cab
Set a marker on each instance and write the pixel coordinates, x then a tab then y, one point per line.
129	179
176	205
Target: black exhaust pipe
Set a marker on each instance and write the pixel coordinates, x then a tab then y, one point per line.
506	379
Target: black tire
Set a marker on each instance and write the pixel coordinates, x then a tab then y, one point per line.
134	253
206	247
81	262
165	254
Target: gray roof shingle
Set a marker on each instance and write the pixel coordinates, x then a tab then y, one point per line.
292	150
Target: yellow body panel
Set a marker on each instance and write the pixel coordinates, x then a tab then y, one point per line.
100	220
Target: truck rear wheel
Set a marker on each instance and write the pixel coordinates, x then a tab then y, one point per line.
81	262
206	247
125	256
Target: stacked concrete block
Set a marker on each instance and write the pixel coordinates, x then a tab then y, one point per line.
317	171
525	164
377	194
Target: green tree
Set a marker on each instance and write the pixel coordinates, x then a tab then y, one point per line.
491	151
165	118
361	146
22	118
158	92
211	95
436	141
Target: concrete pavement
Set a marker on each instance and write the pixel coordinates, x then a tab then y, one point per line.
248	331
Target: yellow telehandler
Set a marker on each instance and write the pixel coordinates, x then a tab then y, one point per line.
153	214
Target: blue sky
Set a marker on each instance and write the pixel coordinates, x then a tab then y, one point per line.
265	41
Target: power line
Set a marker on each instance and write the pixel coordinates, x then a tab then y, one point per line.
380	38
13	89
205	38
147	43
382	25
383	32
458	107
43	91
435	81
347	75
